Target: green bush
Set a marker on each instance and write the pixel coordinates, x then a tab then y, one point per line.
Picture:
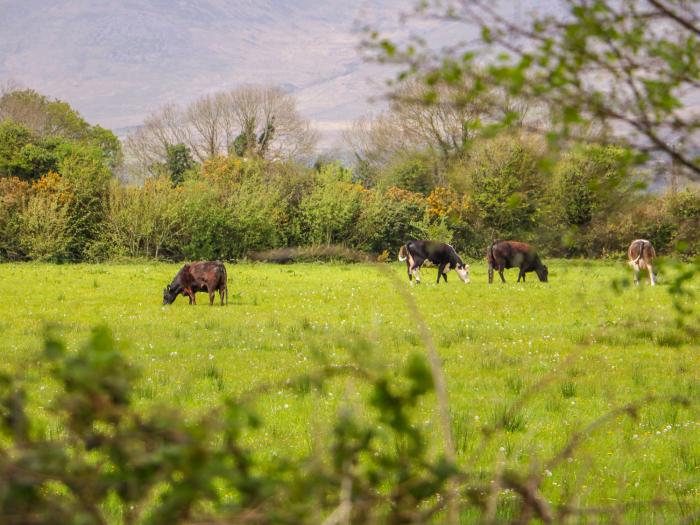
330	212
506	186
388	219
14	195
163	467
411	171
87	177
45	232
144	221
684	208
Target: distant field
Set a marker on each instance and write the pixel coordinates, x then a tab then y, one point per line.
603	348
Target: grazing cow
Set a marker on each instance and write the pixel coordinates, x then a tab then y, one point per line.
513	254
641	256
444	256
206	276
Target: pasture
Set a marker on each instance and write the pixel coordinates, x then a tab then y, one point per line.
572	350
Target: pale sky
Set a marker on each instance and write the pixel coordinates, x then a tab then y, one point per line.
118	60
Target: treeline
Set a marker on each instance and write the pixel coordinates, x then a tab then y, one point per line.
60	200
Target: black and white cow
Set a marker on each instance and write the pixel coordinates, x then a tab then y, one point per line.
444	256
641	257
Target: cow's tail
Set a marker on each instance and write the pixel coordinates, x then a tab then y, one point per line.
489	253
403	253
225	275
641	252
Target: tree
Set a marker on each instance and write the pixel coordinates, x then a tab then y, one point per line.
506	185
205	118
410	171
50	119
13	138
256	121
268	120
591	181
439	122
149	143
622	68
178	161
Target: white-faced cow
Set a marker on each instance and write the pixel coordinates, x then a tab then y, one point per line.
444	256
205	276
514	254
641	257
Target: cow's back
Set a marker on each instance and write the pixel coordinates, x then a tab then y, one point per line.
211	274
641	252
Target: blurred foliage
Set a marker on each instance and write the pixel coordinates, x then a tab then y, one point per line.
113	462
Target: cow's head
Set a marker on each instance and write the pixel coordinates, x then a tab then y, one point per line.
170	293
463	272
542	272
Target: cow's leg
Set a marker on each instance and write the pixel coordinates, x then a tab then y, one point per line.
490	273
500	272
222	291
520	274
635	267
415	268
652	277
416	273
410	263
441	270
212	294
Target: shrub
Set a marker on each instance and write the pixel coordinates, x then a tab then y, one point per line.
506	186
144	221
45	230
684	209
329	213
254	210
231	209
388	219
14	195
87	177
412	171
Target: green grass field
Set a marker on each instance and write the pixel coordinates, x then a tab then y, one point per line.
590	349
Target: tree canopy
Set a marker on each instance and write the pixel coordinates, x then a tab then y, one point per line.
610	71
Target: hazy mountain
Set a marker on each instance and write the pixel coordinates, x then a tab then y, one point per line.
117	60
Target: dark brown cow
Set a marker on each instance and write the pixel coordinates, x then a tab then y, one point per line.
514	254
641	256
205	276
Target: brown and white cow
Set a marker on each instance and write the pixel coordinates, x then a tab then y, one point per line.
641	257
205	276
513	254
